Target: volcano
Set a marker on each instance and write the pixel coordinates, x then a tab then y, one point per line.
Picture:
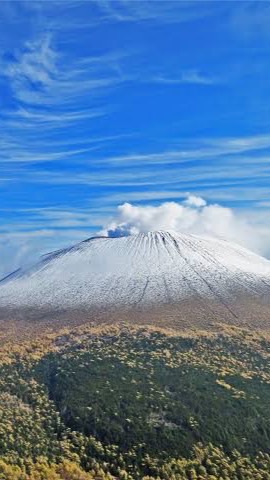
187	277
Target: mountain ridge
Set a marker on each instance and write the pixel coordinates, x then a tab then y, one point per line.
158	271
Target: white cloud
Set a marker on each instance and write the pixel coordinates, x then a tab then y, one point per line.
36	64
194	201
160	12
188	76
192	76
195	216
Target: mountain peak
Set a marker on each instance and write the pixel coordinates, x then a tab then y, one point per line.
146	270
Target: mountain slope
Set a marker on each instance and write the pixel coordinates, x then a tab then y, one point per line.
157	269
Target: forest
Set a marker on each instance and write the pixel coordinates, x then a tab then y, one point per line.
133	403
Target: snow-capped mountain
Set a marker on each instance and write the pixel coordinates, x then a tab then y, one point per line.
144	270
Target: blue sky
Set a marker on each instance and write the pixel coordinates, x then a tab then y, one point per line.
108	102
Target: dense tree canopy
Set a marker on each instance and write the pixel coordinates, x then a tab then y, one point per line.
130	404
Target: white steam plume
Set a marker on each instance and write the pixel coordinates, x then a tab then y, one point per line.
195	216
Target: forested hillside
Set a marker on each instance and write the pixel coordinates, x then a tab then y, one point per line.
136	403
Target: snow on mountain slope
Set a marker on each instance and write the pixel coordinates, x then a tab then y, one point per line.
141	270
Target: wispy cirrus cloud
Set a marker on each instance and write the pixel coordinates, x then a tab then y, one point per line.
216	166
39	72
192	77
35	65
53	92
169	12
204	148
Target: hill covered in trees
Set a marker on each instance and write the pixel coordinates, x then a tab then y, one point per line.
135	403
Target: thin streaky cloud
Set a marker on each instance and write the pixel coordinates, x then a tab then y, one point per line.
169	12
192	77
33	117
31	157
209	148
